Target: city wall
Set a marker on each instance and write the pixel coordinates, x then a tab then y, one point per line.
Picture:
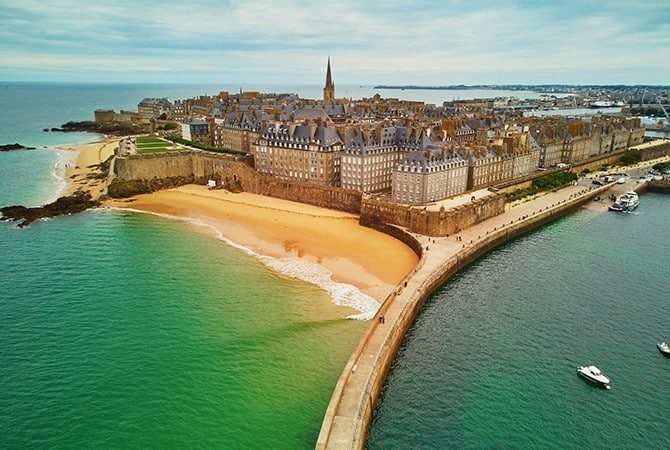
232	172
444	222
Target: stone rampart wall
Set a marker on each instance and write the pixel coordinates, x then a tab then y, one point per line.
653	149
154	165
428	222
232	170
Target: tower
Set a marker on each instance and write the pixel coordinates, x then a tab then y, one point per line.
329	89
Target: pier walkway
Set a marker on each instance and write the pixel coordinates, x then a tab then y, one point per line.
350	410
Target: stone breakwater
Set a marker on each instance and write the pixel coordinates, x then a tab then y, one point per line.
349	413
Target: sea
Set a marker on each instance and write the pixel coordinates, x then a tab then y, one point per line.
491	359
126	330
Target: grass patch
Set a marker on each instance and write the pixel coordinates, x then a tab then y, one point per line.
151	144
149	140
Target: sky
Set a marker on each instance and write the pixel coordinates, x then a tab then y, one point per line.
421	42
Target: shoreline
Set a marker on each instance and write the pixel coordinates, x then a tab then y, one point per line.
325	247
357	266
78	169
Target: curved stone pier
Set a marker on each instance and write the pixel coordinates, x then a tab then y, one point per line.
349	412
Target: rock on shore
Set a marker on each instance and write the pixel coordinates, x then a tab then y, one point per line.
71	204
16	146
112	128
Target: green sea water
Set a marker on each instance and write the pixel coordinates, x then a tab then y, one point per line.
491	360
123	330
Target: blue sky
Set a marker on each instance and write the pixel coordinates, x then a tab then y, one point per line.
369	42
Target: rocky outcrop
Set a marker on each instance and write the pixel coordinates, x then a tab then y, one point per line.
113	128
9	147
71	204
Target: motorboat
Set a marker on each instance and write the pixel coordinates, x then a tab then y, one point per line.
626	202
664	348
594	375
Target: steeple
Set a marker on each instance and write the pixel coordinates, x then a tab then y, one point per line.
329	89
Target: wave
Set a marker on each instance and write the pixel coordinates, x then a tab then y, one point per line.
64	158
342	294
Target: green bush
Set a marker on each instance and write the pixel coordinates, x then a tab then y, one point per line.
661	166
631	157
542	184
554	180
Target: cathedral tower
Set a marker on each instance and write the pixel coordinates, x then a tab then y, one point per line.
329	89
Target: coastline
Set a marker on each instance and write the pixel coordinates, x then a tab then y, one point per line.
245	218
79	169
359	267
322	246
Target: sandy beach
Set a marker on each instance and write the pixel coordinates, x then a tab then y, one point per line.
371	261
79	174
354	255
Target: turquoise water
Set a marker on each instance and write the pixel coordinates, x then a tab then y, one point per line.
124	330
490	361
115	334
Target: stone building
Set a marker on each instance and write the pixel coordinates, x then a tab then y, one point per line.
307	153
368	158
151	108
488	167
430	175
237	131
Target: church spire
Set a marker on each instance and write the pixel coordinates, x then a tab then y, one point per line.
329	89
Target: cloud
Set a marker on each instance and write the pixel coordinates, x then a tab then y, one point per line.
419	42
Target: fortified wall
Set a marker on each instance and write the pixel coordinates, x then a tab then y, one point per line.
444	222
653	149
229	171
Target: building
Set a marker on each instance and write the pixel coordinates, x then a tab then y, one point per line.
430	175
196	131
238	131
152	108
307	153
368	158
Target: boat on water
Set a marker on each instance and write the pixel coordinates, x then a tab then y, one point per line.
594	375
664	348
626	202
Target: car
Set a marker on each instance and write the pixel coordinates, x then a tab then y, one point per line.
598	182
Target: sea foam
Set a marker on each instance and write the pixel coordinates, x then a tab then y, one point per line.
63	159
342	294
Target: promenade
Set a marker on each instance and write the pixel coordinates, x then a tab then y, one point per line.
350	410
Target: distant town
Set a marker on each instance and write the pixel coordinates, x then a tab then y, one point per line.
406	152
